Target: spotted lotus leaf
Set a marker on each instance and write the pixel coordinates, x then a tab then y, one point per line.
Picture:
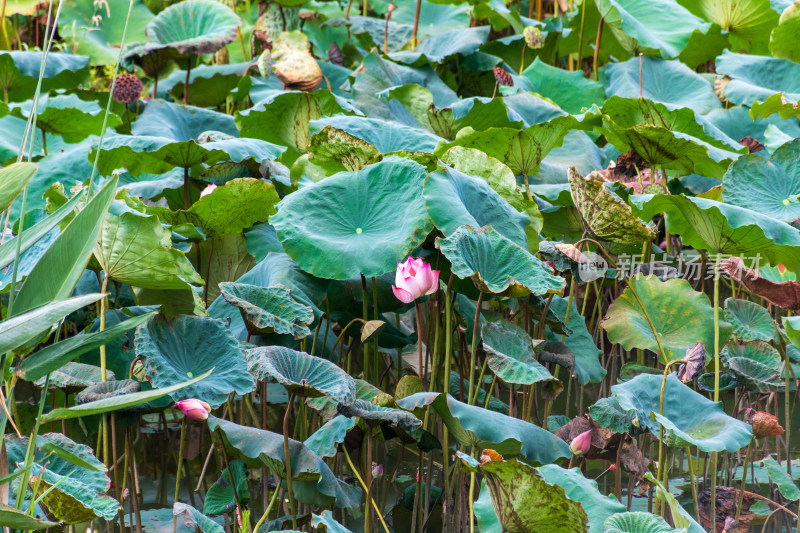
607	216
510	353
269	309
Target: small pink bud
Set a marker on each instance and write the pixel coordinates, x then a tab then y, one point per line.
208	190
581	444
377	470
612	467
194	409
391	8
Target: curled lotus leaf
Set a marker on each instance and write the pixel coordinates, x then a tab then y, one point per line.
294	65
192	27
194	519
376	414
607	216
750	321
511	355
755	364
327	407
303	374
496	264
74	376
325	441
269	309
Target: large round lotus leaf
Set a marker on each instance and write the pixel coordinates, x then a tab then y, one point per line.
689	418
637	522
680	315
483	428
68	116
510	354
313	480
454	199
283	117
783	41
722	228
356	222
328	408
756	78
750	321
79	498
192	27
301	373
770	188
598	507
181	123
152	155
75	376
572	91
269	309
383	135
376	414
137	250
522	150
496	264
325	441
667	82
190	346
661	28
747	22
669	138
523	501
756	365
607	215
19	72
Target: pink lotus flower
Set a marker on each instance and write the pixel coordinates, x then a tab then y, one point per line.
581	444
414	279
194	409
208	190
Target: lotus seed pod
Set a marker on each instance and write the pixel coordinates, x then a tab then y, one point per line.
502	77
533	37
265	64
764	424
127	88
384	400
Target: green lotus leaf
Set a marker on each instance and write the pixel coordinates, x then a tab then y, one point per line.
376	414
662	29
137	250
770	188
756	78
524	501
269	309
106	390
726	382
782	480
755	364
436	48
570	90
371	31
187	347
681	317
669	138
578	340
578	488
16	519
301	373
473	162
209	85
336	150
81	497
750	321
326	519
747	22
783	39
483	428
557	353
100	38
153	155
327	407
194	519
220	497
775	104
457	385
510	354
192	27
608	413
325	441
689	418
455	199
283	118
20	72
722	228
68	116
384	135
496	264
638	522
182	123
666	82
607	215
631	370
680	516
356	222
522	150
313	481
75	376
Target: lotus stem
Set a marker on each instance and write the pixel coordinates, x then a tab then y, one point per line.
474	353
580	34
448	341
288	461
268	509
744	480
416	24
478	383
365	312
29	453
178	473
597	47
471	502
660	427
713	502
368	475
364	486
186	83
522	61
186	203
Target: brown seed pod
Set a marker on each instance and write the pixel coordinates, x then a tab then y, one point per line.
502	77
764	424
127	88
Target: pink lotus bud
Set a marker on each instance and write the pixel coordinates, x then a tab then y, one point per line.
377	470
194	409
612	467
414	279
208	190
391	8
581	444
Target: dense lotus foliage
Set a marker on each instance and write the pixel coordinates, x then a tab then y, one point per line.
523	266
